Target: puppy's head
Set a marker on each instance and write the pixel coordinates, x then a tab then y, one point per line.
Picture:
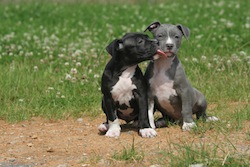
169	36
133	48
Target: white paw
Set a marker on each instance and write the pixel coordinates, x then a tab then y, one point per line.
212	118
113	133
188	126
114	129
148	132
103	127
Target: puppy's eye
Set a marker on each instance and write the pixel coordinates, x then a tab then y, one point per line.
177	36
140	41
159	35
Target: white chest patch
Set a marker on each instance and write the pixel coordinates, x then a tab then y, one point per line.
160	84
122	90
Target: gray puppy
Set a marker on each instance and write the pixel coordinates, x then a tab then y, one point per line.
169	90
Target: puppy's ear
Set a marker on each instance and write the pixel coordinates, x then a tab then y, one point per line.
114	46
185	31
153	26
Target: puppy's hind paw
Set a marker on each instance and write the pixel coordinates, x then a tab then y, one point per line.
135	124
188	126
103	127
160	123
212	118
147	132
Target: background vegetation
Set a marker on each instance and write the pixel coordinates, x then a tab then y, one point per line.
52	53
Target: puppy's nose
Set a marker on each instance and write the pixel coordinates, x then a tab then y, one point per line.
170	46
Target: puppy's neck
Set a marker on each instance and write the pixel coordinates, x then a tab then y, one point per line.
164	63
129	72
118	70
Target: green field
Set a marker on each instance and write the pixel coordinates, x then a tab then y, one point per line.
52	55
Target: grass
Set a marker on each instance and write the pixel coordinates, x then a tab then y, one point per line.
130	154
43	43
190	154
52	55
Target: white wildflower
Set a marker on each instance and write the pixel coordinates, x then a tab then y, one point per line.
50	88
73	79
96	76
73	71
21	100
58	94
195	60
242	53
68	77
229	24
78	52
35	68
221	12
199	36
61	55
203	58
19	47
247	25
209	65
78	64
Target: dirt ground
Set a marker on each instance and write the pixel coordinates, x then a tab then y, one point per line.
76	142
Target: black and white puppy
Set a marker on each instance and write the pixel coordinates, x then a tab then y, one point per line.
170	92
123	85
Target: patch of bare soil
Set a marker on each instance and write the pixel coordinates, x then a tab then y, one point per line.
63	143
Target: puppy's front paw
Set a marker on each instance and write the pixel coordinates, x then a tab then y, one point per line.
114	129
113	133
211	118
148	132
103	127
188	126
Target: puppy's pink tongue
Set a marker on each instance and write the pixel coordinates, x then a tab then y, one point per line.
159	52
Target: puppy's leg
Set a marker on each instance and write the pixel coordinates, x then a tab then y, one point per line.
200	108
164	121
151	113
103	128
113	128
146	120
187	97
